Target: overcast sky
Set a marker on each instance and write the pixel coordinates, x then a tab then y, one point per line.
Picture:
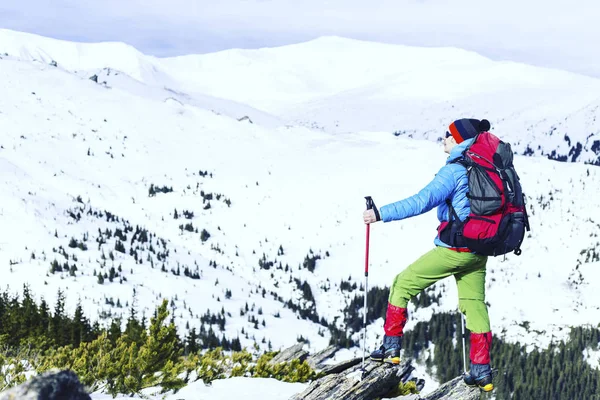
554	33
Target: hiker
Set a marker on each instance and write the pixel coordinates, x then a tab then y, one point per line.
447	192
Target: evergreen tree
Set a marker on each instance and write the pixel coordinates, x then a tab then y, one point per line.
191	342
134	330
114	332
204	236
162	345
81	331
30	317
44	316
60	325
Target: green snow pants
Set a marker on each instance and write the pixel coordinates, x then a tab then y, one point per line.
468	270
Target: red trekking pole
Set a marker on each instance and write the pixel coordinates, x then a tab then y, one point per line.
370	206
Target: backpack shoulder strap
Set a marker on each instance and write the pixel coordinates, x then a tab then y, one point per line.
460	160
451	211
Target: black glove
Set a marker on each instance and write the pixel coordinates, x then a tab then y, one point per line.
371	206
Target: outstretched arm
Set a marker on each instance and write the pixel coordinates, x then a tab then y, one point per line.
432	195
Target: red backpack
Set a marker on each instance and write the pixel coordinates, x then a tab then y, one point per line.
498	218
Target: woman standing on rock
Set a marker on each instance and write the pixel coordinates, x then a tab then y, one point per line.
448	192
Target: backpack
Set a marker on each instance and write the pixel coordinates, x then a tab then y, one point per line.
498	219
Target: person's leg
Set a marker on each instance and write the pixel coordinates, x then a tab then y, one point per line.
471	297
437	264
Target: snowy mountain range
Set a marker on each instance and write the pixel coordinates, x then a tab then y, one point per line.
220	180
343	85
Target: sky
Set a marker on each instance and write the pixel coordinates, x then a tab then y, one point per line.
554	33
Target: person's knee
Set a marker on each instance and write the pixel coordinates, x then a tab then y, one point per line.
476	313
399	292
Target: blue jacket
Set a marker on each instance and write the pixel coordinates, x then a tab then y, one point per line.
449	183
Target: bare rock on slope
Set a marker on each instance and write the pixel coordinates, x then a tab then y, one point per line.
63	385
379	380
454	390
296	352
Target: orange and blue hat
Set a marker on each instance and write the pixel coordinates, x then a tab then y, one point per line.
467	128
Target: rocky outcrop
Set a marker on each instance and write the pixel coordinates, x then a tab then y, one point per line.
296	352
317	360
340	367
454	390
63	385
376	381
348	381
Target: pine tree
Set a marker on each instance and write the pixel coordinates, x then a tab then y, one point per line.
44	319
114	331
60	323
204	236
191	342
236	345
78	328
30	317
161	348
134	329
119	246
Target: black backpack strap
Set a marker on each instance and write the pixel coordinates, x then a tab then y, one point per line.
460	160
452	212
451	234
525	213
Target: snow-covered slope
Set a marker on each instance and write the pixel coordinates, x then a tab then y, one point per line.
65	137
344	85
78	160
251	388
120	65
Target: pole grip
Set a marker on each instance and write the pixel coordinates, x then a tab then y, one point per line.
370	203
371	206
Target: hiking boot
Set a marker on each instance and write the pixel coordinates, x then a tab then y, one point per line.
389	352
480	375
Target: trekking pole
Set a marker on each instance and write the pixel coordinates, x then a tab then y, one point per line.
463	342
370	205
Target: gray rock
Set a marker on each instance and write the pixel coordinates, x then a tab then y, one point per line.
342	366
245	118
379	380
63	385
296	352
316	360
454	390
451	390
408	397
